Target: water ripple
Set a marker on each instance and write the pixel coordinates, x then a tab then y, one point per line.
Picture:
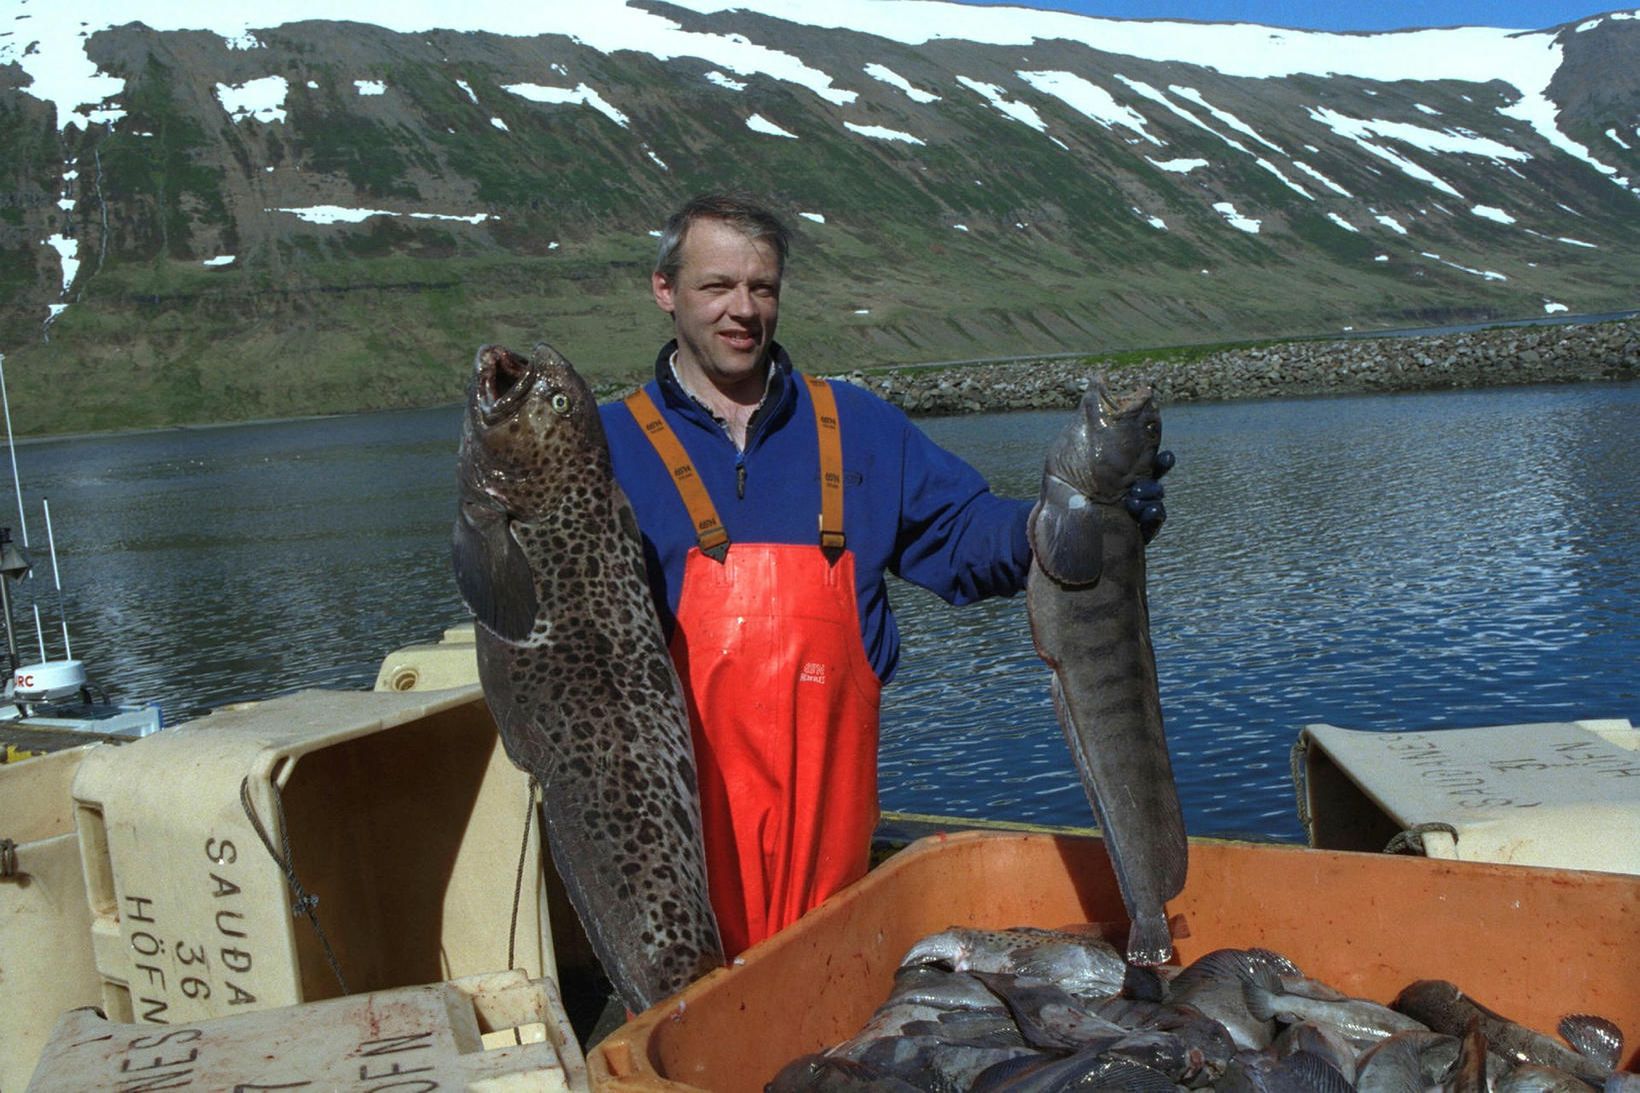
1383	562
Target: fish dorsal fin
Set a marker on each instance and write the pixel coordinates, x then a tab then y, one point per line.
1468	1073
1594	1038
1218	964
1315	1073
1065	534
492	572
1275	961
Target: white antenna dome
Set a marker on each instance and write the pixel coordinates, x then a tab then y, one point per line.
50	681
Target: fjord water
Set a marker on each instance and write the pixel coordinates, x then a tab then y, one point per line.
1378	562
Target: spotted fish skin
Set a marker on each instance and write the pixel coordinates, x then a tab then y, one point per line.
1090	621
576	672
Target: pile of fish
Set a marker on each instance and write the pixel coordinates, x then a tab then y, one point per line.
1030	1010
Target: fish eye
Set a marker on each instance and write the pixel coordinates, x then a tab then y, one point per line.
559	402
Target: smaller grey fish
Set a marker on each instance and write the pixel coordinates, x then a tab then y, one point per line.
1532	1078
1318	1039
1395	1065
1088	1071
1168	1052
1301	1072
1127	1012
971	1028
1469	1073
1293	980
1237	964
933	1064
1049	1017
890	1019
1438	1056
1208	1046
1083	963
828	1074
1215	985
1357	1018
934	986
1144	984
1445	1008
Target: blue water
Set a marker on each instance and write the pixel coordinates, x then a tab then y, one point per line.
1381	562
1377	562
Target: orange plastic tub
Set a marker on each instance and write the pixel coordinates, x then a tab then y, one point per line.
1534	944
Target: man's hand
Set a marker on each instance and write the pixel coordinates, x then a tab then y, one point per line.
1144	499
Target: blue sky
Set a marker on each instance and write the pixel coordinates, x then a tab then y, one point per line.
1322	15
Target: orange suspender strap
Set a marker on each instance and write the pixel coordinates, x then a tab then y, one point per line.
709	532
832	540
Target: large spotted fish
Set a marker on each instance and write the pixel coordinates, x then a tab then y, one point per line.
570	653
1091	624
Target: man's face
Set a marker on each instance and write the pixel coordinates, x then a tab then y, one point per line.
724	303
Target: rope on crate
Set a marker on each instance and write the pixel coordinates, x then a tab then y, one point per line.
518	886
1412	839
518	878
302	901
1296	762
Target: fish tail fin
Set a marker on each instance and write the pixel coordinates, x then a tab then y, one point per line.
1149	941
1260	989
1130	1075
1317	1073
1594	1038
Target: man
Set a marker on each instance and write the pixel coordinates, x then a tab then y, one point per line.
771	505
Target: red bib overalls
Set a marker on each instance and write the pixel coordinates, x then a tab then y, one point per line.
782	700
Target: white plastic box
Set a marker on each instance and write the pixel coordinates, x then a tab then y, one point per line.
496	1033
400	813
452	661
1561	794
45	926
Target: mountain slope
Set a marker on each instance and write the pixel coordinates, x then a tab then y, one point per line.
242	219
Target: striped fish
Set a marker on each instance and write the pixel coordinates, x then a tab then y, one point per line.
1091	625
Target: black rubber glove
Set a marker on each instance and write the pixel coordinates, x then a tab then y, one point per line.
1144	499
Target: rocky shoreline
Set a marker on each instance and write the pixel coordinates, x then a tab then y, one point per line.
1499	356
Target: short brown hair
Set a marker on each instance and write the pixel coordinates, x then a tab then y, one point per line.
735	209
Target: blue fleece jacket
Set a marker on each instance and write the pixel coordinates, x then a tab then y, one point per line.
909	506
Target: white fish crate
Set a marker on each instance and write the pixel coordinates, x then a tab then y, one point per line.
398	815
1558	794
496	1032
45	944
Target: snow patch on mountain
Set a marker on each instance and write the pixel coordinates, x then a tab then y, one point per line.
1089	98
580	94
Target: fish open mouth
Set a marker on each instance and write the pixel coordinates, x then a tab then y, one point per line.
1118	404
502	381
